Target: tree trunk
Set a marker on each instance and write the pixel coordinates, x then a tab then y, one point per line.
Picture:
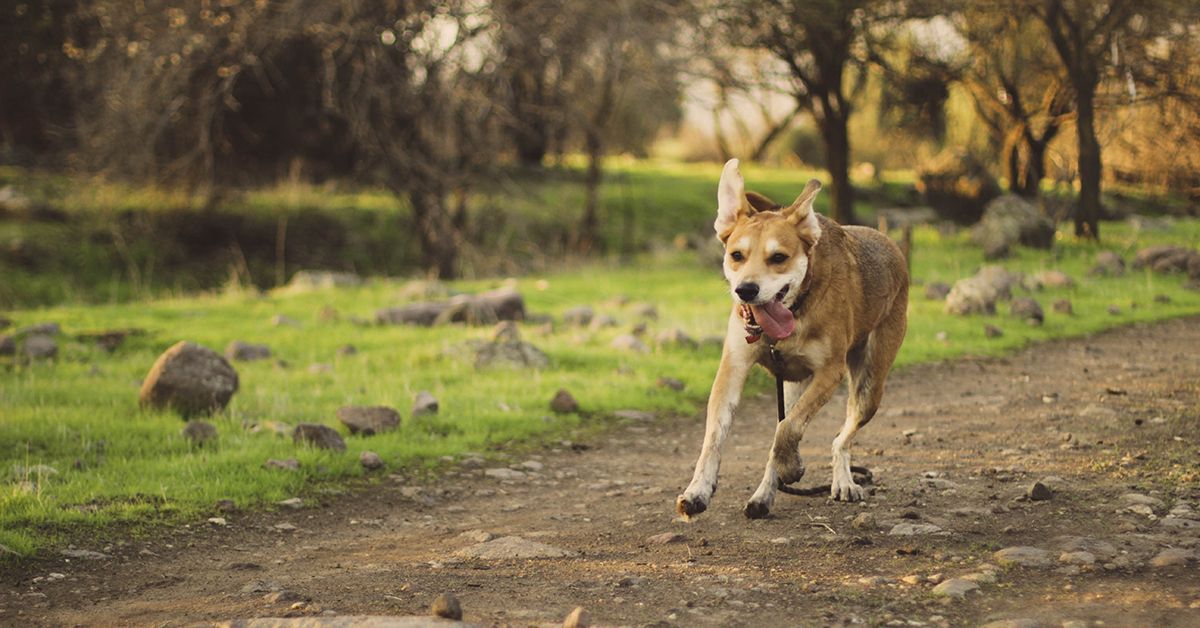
1035	168
435	232
837	161
585	241
1087	217
1012	160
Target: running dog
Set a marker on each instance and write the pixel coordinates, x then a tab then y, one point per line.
831	300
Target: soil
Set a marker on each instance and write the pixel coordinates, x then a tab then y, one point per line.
956	445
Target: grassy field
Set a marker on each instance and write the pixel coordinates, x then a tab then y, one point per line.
98	241
116	464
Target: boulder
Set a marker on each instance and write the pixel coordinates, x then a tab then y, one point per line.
1008	221
1108	264
513	547
486	308
39	347
368	420
580	316
1049	279
957	185
1063	306
1028	310
564	402
979	293
246	352
319	436
370	460
199	432
8	345
424	403
509	353
1164	258
190	379
675	337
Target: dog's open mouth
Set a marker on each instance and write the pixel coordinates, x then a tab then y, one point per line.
773	316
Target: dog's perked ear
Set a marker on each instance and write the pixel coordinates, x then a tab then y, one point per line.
801	214
731	200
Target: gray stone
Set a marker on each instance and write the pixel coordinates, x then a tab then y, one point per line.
446	605
563	402
955	587
1165	258
1023	556
991	331
501	473
602	321
84	554
510	547
287	464
1077	558
368	420
634	415
579	316
937	290
1108	264
979	293
319	436
1063	306
39	329
347	351
370	460
1008	221
39	347
1039	492
246	352
190	379
1102	550
1173	557
1028	310
914	529
424	403
1049	279
199	432
512	354
629	342
8	345
1137	499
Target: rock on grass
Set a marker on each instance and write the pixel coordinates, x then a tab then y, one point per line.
368	420
190	379
563	402
199	432
319	436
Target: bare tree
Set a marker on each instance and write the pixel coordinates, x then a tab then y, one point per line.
1017	90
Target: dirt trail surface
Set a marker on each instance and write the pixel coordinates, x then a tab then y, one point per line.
1108	424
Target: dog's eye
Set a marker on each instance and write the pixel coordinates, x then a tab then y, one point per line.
777	258
737	256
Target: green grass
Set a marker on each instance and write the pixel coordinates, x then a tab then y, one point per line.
119	465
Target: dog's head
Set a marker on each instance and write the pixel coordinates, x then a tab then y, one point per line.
766	248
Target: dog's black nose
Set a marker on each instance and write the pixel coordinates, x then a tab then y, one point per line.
747	291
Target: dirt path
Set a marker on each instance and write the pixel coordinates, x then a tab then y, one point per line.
956	446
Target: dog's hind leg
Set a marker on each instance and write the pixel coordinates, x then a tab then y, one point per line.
784	465
722	401
868	369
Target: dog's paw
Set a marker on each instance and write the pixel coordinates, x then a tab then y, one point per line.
756	510
688	507
846	492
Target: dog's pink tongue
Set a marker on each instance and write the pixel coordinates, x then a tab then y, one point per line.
775	319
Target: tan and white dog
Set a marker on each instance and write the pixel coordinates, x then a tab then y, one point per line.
831	299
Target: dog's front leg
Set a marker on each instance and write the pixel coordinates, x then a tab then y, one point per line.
736	360
784	464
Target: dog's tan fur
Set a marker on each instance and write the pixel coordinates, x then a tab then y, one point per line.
852	287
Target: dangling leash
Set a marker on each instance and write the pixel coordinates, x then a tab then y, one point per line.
754	332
